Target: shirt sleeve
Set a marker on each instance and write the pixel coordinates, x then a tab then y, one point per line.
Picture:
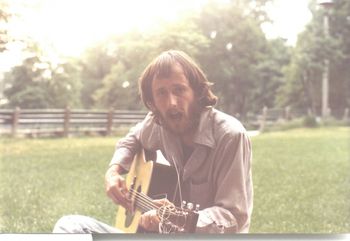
128	146
234	193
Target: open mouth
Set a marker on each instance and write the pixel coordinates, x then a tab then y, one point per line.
174	115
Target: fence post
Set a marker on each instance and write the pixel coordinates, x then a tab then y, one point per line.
309	112
263	119
66	122
346	114
287	113
109	122
15	118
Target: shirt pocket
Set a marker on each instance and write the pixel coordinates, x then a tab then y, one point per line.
201	194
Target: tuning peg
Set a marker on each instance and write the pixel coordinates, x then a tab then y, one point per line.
197	207
183	204
190	206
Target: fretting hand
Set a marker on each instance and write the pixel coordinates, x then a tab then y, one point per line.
150	220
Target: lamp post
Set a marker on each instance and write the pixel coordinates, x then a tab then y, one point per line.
326	4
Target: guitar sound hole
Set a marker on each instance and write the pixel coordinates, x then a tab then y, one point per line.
129	215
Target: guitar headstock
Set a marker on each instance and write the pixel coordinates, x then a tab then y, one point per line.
178	220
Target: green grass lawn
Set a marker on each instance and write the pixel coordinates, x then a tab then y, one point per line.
301	181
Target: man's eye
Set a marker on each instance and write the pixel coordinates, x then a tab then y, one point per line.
161	93
179	90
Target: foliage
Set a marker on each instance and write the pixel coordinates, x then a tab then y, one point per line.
332	121
226	39
4	16
119	89
119	86
133	53
304	74
42	83
294	174
270	75
310	121
247	69
233	48
284	125
340	71
246	73
96	64
307	121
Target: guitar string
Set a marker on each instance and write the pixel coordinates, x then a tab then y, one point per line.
164	211
144	200
147	203
180	220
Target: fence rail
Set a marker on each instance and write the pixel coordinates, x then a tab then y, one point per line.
65	122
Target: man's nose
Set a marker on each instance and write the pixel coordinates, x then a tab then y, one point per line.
172	100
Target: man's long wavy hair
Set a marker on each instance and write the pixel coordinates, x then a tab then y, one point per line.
161	67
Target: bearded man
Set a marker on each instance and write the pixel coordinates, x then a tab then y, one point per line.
210	150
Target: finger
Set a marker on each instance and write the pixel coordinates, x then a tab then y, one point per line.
154	222
144	222
122	186
150	221
115	196
122	197
123	194
161	202
119	195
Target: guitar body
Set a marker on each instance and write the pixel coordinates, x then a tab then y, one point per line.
153	179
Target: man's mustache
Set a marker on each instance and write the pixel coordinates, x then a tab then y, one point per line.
174	113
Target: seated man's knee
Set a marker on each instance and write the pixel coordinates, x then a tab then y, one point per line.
71	224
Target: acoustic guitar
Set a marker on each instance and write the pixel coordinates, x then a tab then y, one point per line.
148	180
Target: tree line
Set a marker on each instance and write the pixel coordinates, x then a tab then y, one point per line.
248	71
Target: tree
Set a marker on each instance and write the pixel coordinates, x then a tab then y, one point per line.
23	88
247	71
96	64
304	75
270	75
340	71
241	54
4	16
39	83
133	53
118	87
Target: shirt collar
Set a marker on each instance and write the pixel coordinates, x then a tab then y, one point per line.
204	134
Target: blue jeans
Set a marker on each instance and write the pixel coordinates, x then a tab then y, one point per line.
82	224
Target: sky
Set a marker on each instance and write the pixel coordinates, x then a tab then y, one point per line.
289	18
70	26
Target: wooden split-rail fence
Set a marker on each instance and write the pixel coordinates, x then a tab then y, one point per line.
65	122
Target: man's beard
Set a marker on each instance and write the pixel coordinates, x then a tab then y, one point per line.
178	122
